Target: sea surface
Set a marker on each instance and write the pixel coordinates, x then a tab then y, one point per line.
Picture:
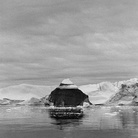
98	122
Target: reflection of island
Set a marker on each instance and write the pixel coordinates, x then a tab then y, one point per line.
129	118
63	124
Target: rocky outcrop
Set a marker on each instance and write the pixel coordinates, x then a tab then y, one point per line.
127	95
67	94
45	100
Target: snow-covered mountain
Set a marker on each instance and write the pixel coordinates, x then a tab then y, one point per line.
127	94
122	92
99	93
25	91
112	93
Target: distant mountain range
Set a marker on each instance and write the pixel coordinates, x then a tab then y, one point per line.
31	102
118	93
106	93
25	91
6	101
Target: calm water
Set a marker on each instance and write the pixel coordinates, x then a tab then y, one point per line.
98	122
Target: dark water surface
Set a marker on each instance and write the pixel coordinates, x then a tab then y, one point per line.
98	122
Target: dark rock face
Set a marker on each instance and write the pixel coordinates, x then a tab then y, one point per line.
45	100
67	97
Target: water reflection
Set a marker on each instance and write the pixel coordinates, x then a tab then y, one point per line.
111	118
114	119
101	122
129	117
63	124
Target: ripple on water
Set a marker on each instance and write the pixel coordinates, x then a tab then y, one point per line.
102	121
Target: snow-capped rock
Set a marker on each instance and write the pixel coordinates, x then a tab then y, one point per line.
127	82
127	94
67	84
68	95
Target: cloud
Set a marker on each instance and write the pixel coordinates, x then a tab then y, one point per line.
43	42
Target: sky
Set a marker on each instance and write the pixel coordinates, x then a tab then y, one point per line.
89	41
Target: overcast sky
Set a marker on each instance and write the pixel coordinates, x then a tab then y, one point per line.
88	41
